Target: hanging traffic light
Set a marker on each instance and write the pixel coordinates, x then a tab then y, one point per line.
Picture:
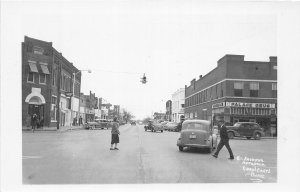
144	79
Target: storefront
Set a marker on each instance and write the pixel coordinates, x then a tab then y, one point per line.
262	113
36	105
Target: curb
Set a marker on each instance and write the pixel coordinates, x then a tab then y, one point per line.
62	129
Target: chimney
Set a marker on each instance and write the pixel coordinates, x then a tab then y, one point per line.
273	59
200	76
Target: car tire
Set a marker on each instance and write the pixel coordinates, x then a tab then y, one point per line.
257	136
248	137
162	131
230	135
180	148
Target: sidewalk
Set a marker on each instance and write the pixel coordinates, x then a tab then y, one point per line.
61	129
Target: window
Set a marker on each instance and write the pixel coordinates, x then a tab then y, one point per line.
274	89
30	77
54	78
254	87
53	100
42	78
238	89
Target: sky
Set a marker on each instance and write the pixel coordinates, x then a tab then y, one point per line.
172	42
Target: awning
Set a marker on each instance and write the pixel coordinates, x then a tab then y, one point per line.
33	68
45	69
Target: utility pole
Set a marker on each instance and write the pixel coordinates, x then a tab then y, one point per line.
58	95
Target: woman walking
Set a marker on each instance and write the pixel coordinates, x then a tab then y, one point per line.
115	134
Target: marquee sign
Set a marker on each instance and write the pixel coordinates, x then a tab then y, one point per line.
250	105
247	105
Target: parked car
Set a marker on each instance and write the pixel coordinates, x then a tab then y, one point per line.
98	123
153	126
197	134
245	129
133	123
171	126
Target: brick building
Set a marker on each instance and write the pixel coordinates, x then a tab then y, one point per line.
45	72
236	90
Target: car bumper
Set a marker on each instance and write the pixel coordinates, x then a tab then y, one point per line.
180	144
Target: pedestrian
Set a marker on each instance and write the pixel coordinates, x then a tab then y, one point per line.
33	122
224	141
80	120
115	134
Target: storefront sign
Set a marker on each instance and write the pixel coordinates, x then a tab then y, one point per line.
218	105
250	105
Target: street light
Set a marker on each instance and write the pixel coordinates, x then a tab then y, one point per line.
73	91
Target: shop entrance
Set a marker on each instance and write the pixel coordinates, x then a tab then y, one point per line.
37	109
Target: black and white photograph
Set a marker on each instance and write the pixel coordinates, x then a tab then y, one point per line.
150	95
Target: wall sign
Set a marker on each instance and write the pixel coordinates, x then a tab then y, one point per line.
250	105
217	105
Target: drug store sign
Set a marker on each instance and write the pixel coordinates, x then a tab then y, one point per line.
250	105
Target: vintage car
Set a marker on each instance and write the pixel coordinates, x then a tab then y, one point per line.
133	123
197	134
171	126
154	126
245	129
98	123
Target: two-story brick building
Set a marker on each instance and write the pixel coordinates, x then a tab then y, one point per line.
236	90
45	73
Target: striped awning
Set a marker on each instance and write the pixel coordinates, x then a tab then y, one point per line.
45	69
33	68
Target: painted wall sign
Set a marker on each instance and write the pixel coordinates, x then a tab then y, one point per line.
250	105
218	105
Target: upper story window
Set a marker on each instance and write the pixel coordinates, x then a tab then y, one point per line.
274	86
30	77
238	89
254	87
274	89
42	78
38	50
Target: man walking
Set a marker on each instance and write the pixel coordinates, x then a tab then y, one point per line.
224	141
33	122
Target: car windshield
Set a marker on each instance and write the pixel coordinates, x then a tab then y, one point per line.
196	126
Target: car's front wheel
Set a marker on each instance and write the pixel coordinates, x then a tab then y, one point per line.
162	131
248	137
180	148
257	136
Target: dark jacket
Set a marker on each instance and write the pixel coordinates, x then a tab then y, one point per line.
223	132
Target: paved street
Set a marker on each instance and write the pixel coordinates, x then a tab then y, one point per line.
83	156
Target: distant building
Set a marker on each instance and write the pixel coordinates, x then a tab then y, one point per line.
178	105
159	116
45	72
236	91
169	110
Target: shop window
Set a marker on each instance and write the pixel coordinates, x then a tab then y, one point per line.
42	78
30	77
254	87
238	89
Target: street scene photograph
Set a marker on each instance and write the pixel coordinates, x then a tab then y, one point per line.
128	92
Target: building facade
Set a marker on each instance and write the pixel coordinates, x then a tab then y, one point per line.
46	80
169	110
236	91
178	105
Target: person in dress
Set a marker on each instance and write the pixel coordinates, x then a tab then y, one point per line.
115	135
